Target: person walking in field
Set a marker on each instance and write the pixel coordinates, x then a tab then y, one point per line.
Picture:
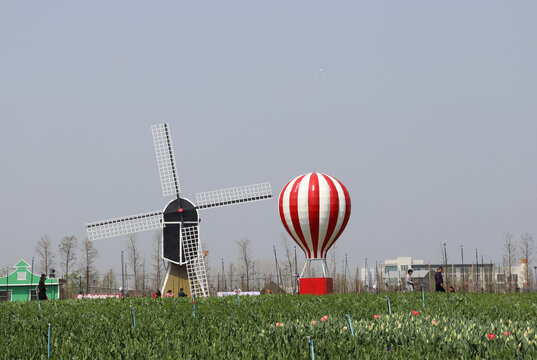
41	289
410	283
440	287
169	294
181	293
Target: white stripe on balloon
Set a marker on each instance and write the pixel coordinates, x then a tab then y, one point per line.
341	212
303	204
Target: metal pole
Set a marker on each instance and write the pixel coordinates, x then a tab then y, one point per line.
224	283
445	266
345	276
535	272
48	353
32	280
483	281
476	272
463	272
296	274
7	282
277	269
122	275
366	278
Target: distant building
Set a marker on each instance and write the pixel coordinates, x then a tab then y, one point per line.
480	277
21	285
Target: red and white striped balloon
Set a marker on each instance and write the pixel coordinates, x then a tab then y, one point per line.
315	209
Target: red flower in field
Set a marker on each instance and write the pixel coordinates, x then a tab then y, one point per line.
314	322
415	313
435	322
491	336
279	324
507	333
324	318
376	316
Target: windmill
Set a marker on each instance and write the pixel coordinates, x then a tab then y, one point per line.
181	245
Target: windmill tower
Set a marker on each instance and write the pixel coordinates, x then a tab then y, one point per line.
181	245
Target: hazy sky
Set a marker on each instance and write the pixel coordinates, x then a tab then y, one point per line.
426	111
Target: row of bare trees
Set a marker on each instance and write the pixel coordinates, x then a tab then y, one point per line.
67	253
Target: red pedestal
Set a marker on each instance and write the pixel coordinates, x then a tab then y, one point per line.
316	286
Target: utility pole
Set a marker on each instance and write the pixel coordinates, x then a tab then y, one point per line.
483	276
366	278
296	275
126	278
345	276
277	268
377	276
445	266
476	272
462	259
122	275
32	281
224	283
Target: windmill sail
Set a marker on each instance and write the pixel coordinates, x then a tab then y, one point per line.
125	225
195	265
167	168
233	196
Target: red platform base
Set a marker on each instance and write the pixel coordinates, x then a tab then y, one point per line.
316	286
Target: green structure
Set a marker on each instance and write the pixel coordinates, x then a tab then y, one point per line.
21	285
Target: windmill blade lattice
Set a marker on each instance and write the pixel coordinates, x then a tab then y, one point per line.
195	265
124	225
167	168
234	195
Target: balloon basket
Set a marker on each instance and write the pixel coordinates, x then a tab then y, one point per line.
316	286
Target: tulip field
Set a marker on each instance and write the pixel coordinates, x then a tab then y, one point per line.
493	326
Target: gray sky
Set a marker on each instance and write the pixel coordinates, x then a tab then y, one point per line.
426	111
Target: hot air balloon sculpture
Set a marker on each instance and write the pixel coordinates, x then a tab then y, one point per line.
314	209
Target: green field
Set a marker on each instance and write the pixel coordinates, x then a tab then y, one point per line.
453	328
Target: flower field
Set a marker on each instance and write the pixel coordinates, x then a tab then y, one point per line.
495	326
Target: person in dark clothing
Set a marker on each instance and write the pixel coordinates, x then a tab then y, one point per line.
157	295
181	293
41	289
440	287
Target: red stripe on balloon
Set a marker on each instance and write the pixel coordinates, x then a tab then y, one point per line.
334	212
347	209
313	211
293	208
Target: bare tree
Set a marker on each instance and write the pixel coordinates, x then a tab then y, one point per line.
357	282
287	250
109	280
333	260
510	256
66	249
89	255
527	247
245	258
134	258
231	268
45	253
157	263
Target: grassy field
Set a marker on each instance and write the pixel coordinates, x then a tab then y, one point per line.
480	326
